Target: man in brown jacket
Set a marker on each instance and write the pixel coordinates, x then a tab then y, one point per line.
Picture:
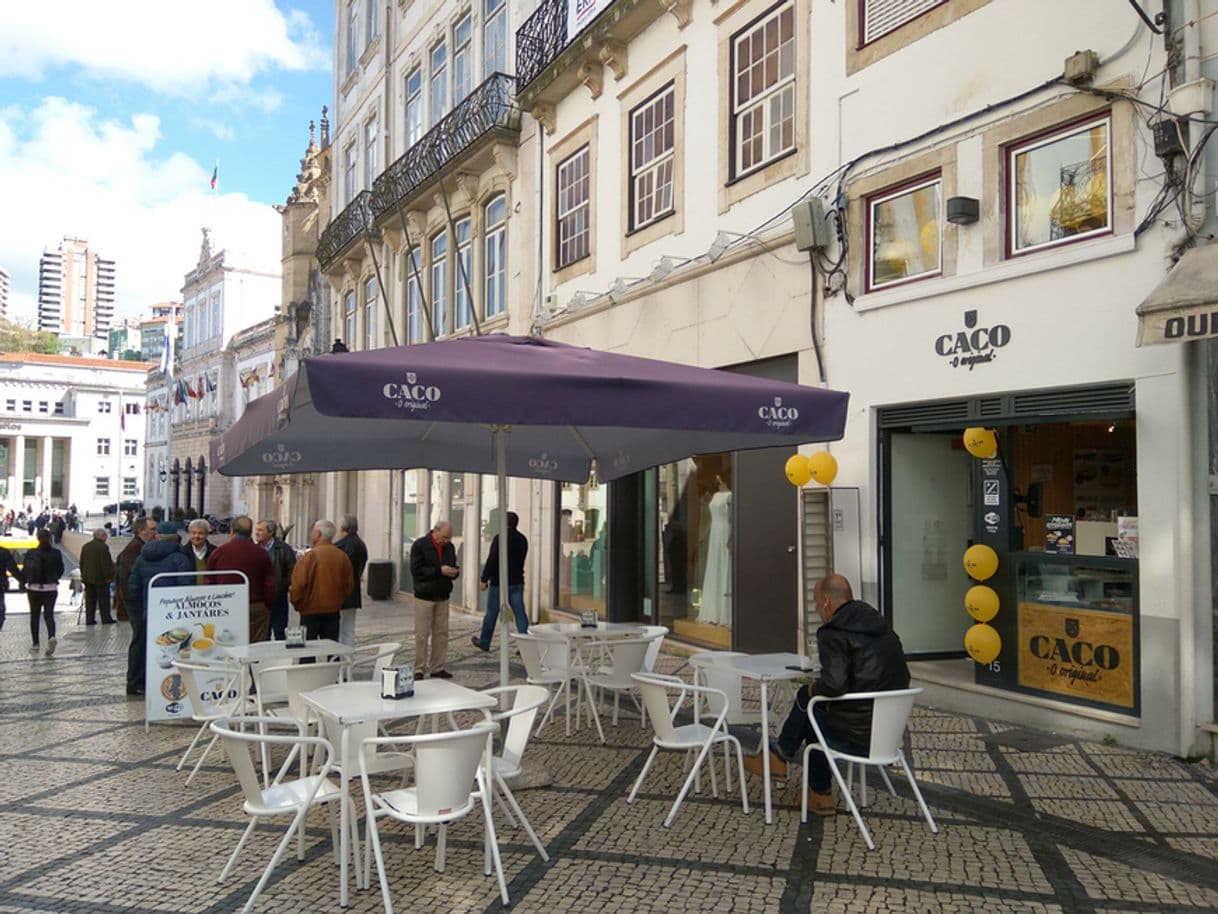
144	532
321	581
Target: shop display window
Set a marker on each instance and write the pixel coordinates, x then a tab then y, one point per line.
583	530
695	549
905	229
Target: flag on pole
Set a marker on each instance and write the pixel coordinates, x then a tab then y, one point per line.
215	175
171	336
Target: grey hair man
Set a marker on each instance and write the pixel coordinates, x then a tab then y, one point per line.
198	548
283	560
357	552
321	582
433	565
96	573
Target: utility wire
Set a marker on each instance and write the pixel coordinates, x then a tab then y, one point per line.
1150	23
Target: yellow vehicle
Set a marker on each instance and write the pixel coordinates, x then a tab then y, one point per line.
17	545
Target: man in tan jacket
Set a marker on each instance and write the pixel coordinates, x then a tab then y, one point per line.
321	581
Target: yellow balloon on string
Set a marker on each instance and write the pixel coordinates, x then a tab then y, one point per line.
980	561
981	602
981	442
798	471
823	466
982	643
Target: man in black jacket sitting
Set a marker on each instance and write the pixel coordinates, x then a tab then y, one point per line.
859	652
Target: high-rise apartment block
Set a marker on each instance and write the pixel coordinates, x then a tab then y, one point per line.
75	290
3	294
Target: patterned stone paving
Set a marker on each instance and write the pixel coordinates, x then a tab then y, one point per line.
94	818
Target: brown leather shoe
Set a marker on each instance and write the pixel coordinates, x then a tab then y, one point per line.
755	765
821	804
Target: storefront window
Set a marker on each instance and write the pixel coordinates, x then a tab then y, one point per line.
488	523
410	525
456	515
582	539
695	555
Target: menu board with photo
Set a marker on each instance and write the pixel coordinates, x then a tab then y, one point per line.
193	622
1059	534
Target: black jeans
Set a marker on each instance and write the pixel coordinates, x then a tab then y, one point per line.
97	598
138	651
279	617
797	730
321	625
42	605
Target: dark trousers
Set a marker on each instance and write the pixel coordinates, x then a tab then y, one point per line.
260	622
42	606
491	619
3	586
97	598
279	617
319	626
797	730
138	651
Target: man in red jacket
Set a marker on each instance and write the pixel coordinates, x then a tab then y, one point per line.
241	553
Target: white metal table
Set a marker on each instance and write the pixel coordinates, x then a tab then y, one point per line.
349	704
279	652
767	668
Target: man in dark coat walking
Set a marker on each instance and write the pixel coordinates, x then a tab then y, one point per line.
164	554
859	652
145	532
357	552
96	573
518	548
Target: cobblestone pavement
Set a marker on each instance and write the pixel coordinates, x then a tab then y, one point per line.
94	818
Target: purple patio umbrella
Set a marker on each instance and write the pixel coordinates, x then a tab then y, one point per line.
514	406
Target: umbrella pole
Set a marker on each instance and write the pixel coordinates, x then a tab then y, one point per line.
501	433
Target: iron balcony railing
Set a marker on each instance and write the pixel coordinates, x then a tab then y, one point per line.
350	224
540	40
490	106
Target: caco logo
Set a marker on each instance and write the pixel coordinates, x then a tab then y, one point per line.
411	395
778	416
622	460
543	464
281	458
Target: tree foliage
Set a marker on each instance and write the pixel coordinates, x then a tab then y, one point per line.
22	337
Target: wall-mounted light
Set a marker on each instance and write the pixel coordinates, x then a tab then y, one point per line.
620	287
662	269
963	210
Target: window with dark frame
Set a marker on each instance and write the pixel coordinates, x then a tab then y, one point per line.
763	90
905	233
101	485
103	447
573	203
1058	186
652	133
494	261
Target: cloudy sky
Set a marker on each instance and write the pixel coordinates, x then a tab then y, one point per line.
113	115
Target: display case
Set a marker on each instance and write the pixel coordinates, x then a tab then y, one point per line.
1078	628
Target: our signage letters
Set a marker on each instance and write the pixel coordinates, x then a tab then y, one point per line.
973	345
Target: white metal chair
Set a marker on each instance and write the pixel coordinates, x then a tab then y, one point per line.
283	797
213	688
889	716
449	780
547	662
525	700
293	679
622	659
655	689
710	670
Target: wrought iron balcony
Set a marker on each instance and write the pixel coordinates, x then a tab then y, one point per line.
490	107
540	40
351	223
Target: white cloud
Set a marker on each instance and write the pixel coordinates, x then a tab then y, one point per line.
184	49
67	171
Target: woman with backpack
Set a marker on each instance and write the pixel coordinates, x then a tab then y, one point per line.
43	569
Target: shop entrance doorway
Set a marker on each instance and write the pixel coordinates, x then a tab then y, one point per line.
930	521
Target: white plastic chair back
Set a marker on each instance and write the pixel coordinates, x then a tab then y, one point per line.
237	748
654	691
304	677
626	657
445	766
724	679
382	656
654	635
889	715
520	716
272	684
543	658
211	687
242	735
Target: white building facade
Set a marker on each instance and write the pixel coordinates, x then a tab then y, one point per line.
71	431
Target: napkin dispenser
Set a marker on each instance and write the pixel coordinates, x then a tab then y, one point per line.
294	636
587	618
397	682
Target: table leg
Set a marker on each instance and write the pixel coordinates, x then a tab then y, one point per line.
765	749
344	837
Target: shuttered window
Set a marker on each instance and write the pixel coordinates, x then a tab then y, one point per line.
883	16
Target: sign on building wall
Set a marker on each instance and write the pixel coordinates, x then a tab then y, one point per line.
1080	653
192	623
580	14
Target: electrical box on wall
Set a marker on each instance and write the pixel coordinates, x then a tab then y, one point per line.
811	229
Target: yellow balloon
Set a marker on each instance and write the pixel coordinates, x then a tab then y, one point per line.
823	466
981	442
798	471
981	602
980	561
982	643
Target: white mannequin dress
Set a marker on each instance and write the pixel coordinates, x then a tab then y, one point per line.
717	582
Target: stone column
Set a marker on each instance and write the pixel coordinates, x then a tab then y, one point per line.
47	451
18	489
